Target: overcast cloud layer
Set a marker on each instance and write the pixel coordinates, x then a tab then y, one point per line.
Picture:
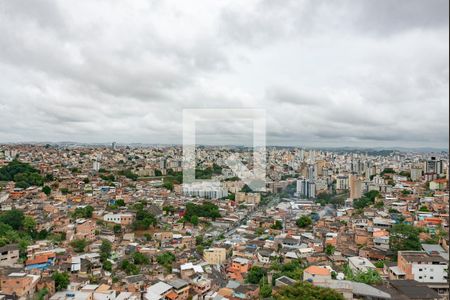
329	73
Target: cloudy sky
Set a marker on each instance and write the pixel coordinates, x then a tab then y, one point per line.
329	73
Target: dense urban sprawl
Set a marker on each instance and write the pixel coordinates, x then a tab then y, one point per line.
117	223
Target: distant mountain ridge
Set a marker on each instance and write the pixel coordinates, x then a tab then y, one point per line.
331	149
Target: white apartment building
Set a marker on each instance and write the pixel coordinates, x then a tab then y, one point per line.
122	219
205	190
423	267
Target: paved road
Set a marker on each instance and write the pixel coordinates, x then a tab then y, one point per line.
274	201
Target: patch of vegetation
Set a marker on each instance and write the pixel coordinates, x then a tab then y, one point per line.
166	260
330	249
367	200
62	280
144	219
22	174
387	171
16	228
327	198
305	290
205	210
129	268
140	259
83	212
292	270
255	275
172	179
404	237
208	173
129	174
371	277
278	225
79	245
304	222
108	178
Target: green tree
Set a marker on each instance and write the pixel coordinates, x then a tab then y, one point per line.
41	294
22	174
29	224
47	190
372	195
172	179
379	264
79	245
109	177
198	240
324	198
361	203
130	175
194	220
387	171
170	210
144	219
368	199
105	250
169	186
404	237
205	210
305	290
83	212
265	291
88	211
129	268
64	191
117	228
140	259
405	173
62	280
329	249
259	231
379	204
200	249
370	277
255	275
107	266
49	177
424	209
278	225
166	260
304	221
292	270
13	218
120	203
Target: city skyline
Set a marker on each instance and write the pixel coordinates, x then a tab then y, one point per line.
355	74
307	148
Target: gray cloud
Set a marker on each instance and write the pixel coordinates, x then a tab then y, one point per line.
358	73
386	16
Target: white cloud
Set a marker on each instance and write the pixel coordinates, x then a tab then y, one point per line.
361	73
